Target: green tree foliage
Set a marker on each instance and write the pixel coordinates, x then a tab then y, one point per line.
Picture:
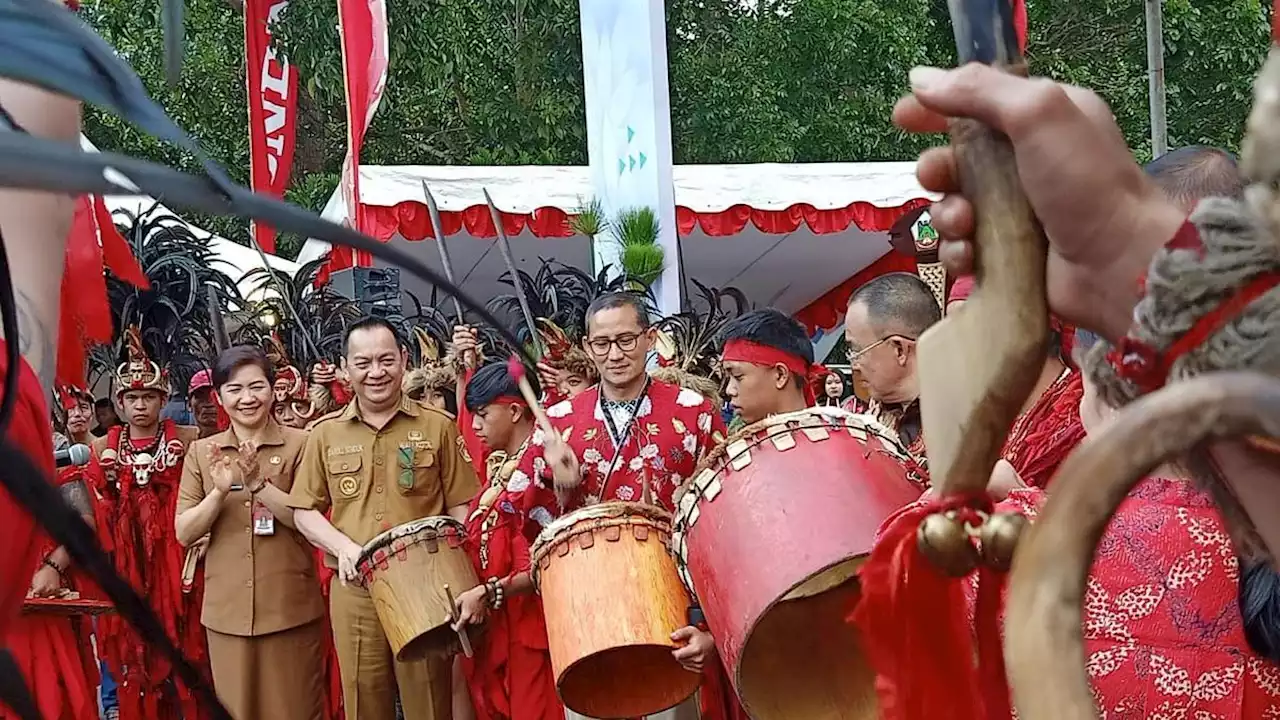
483	82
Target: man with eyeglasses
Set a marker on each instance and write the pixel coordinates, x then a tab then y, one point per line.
884	319
618	437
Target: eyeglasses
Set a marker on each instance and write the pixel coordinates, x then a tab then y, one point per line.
856	355
626	343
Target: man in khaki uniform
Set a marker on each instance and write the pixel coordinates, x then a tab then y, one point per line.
383	461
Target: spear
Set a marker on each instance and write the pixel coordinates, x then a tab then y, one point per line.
438	229
505	246
997	340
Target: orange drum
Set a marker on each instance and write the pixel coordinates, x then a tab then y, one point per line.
406	570
769	537
612	597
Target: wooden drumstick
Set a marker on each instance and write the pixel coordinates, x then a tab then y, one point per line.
453	617
997	340
646	492
516	369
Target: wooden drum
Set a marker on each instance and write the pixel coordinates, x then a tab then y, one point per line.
769	536
405	570
612	597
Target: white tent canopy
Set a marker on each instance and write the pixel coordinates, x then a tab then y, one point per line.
787	271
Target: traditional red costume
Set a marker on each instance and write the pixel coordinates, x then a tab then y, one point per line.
29	432
139	493
510	676
46	649
1162	627
1045	433
53	651
672	429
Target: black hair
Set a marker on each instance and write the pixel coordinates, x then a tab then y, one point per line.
234	358
492	382
1260	608
771	328
102	403
370	322
615	300
899	302
1190	174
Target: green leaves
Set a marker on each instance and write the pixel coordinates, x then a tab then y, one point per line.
496	83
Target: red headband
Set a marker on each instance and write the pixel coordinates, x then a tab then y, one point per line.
757	354
509	400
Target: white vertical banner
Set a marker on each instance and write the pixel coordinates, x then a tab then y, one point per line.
628	104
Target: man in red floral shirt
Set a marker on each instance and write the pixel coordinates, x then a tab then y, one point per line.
617	437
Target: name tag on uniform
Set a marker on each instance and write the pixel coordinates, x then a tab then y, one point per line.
264	523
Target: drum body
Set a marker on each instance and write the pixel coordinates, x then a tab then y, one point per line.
770	535
405	570
612	597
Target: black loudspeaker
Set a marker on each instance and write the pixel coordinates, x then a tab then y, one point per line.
375	290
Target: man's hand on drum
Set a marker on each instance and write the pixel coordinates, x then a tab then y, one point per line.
348	559
473	607
1104	218
697	649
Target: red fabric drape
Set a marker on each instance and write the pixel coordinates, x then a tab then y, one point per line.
29	432
825	312
410	220
93	245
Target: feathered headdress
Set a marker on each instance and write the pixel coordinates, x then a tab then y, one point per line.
561	295
687	343
433	371
171	320
139	371
563	353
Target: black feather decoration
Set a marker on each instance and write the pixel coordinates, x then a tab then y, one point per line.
174	314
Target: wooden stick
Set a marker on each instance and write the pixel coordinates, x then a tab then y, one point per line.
516	369
646	489
1051	565
453	618
998	339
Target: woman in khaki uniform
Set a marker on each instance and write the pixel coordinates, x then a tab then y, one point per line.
263	610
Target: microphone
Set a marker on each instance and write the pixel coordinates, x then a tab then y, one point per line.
76	455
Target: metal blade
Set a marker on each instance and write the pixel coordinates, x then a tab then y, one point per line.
507	257
438	230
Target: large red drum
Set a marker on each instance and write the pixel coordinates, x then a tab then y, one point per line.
769	537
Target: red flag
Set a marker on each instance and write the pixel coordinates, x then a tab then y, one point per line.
1020	23
85	317
362	26
273	108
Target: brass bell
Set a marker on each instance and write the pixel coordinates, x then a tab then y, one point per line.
943	540
999	538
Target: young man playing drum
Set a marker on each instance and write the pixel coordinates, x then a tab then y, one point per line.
767	360
382	461
628	438
510	675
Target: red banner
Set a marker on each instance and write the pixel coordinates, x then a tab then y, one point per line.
362	26
273	108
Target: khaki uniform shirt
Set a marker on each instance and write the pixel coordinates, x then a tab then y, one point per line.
254	584
374	480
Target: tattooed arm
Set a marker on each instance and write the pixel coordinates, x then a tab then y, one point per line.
35	226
